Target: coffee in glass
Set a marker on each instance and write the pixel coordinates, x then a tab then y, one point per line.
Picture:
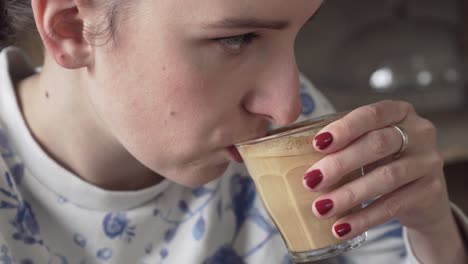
277	164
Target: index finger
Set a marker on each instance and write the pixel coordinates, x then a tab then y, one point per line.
360	121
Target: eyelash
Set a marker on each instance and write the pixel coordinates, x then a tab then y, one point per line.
236	43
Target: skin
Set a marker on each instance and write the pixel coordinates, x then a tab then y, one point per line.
170	93
411	187
179	88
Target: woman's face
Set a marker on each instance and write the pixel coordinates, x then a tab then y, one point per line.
185	80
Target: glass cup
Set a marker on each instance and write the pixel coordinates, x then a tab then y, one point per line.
277	164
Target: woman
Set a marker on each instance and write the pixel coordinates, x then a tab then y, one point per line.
118	150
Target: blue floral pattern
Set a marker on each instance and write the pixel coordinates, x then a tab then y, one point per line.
149	248
225	255
307	102
26	225
5	257
242	191
58	259
5	145
287	260
18	173
24	222
117	225
104	254
80	240
199	227
26	261
242	197
163	253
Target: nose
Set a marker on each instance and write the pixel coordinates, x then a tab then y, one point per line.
276	95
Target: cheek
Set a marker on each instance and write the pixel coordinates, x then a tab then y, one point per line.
167	106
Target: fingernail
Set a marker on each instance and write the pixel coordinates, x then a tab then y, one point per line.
322	141
313	178
324	206
342	229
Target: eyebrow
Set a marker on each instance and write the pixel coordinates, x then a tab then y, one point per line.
249	23
255	23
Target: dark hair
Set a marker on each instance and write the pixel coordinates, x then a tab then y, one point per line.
16	16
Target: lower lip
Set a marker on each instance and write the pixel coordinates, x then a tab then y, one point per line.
235	155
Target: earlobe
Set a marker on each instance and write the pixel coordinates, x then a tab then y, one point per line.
61	27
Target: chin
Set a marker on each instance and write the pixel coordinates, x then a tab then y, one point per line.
200	176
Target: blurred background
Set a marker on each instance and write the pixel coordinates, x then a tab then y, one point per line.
362	51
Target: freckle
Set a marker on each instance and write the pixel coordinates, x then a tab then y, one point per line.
172	113
164	68
47	94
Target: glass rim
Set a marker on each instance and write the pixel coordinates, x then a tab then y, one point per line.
296	128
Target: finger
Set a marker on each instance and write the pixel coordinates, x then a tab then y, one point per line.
424	142
384	209
370	148
379	182
340	133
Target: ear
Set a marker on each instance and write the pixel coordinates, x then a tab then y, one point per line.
61	27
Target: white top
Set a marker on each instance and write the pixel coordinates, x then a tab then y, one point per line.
49	215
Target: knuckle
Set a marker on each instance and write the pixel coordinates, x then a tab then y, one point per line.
432	190
392	207
407	107
429	130
338	164
436	188
389	176
364	221
380	143
344	125
437	160
349	196
373	112
360	220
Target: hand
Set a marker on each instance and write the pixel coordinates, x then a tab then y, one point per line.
410	188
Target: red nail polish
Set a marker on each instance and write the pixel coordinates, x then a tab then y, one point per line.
324	206
322	141
342	229
313	178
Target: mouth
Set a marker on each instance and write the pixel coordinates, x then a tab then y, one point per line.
234	154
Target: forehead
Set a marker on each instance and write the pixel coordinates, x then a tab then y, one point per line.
203	10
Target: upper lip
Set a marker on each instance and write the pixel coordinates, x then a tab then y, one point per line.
258	135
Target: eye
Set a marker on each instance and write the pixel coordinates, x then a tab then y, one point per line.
237	43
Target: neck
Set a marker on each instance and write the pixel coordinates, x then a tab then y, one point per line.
61	118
